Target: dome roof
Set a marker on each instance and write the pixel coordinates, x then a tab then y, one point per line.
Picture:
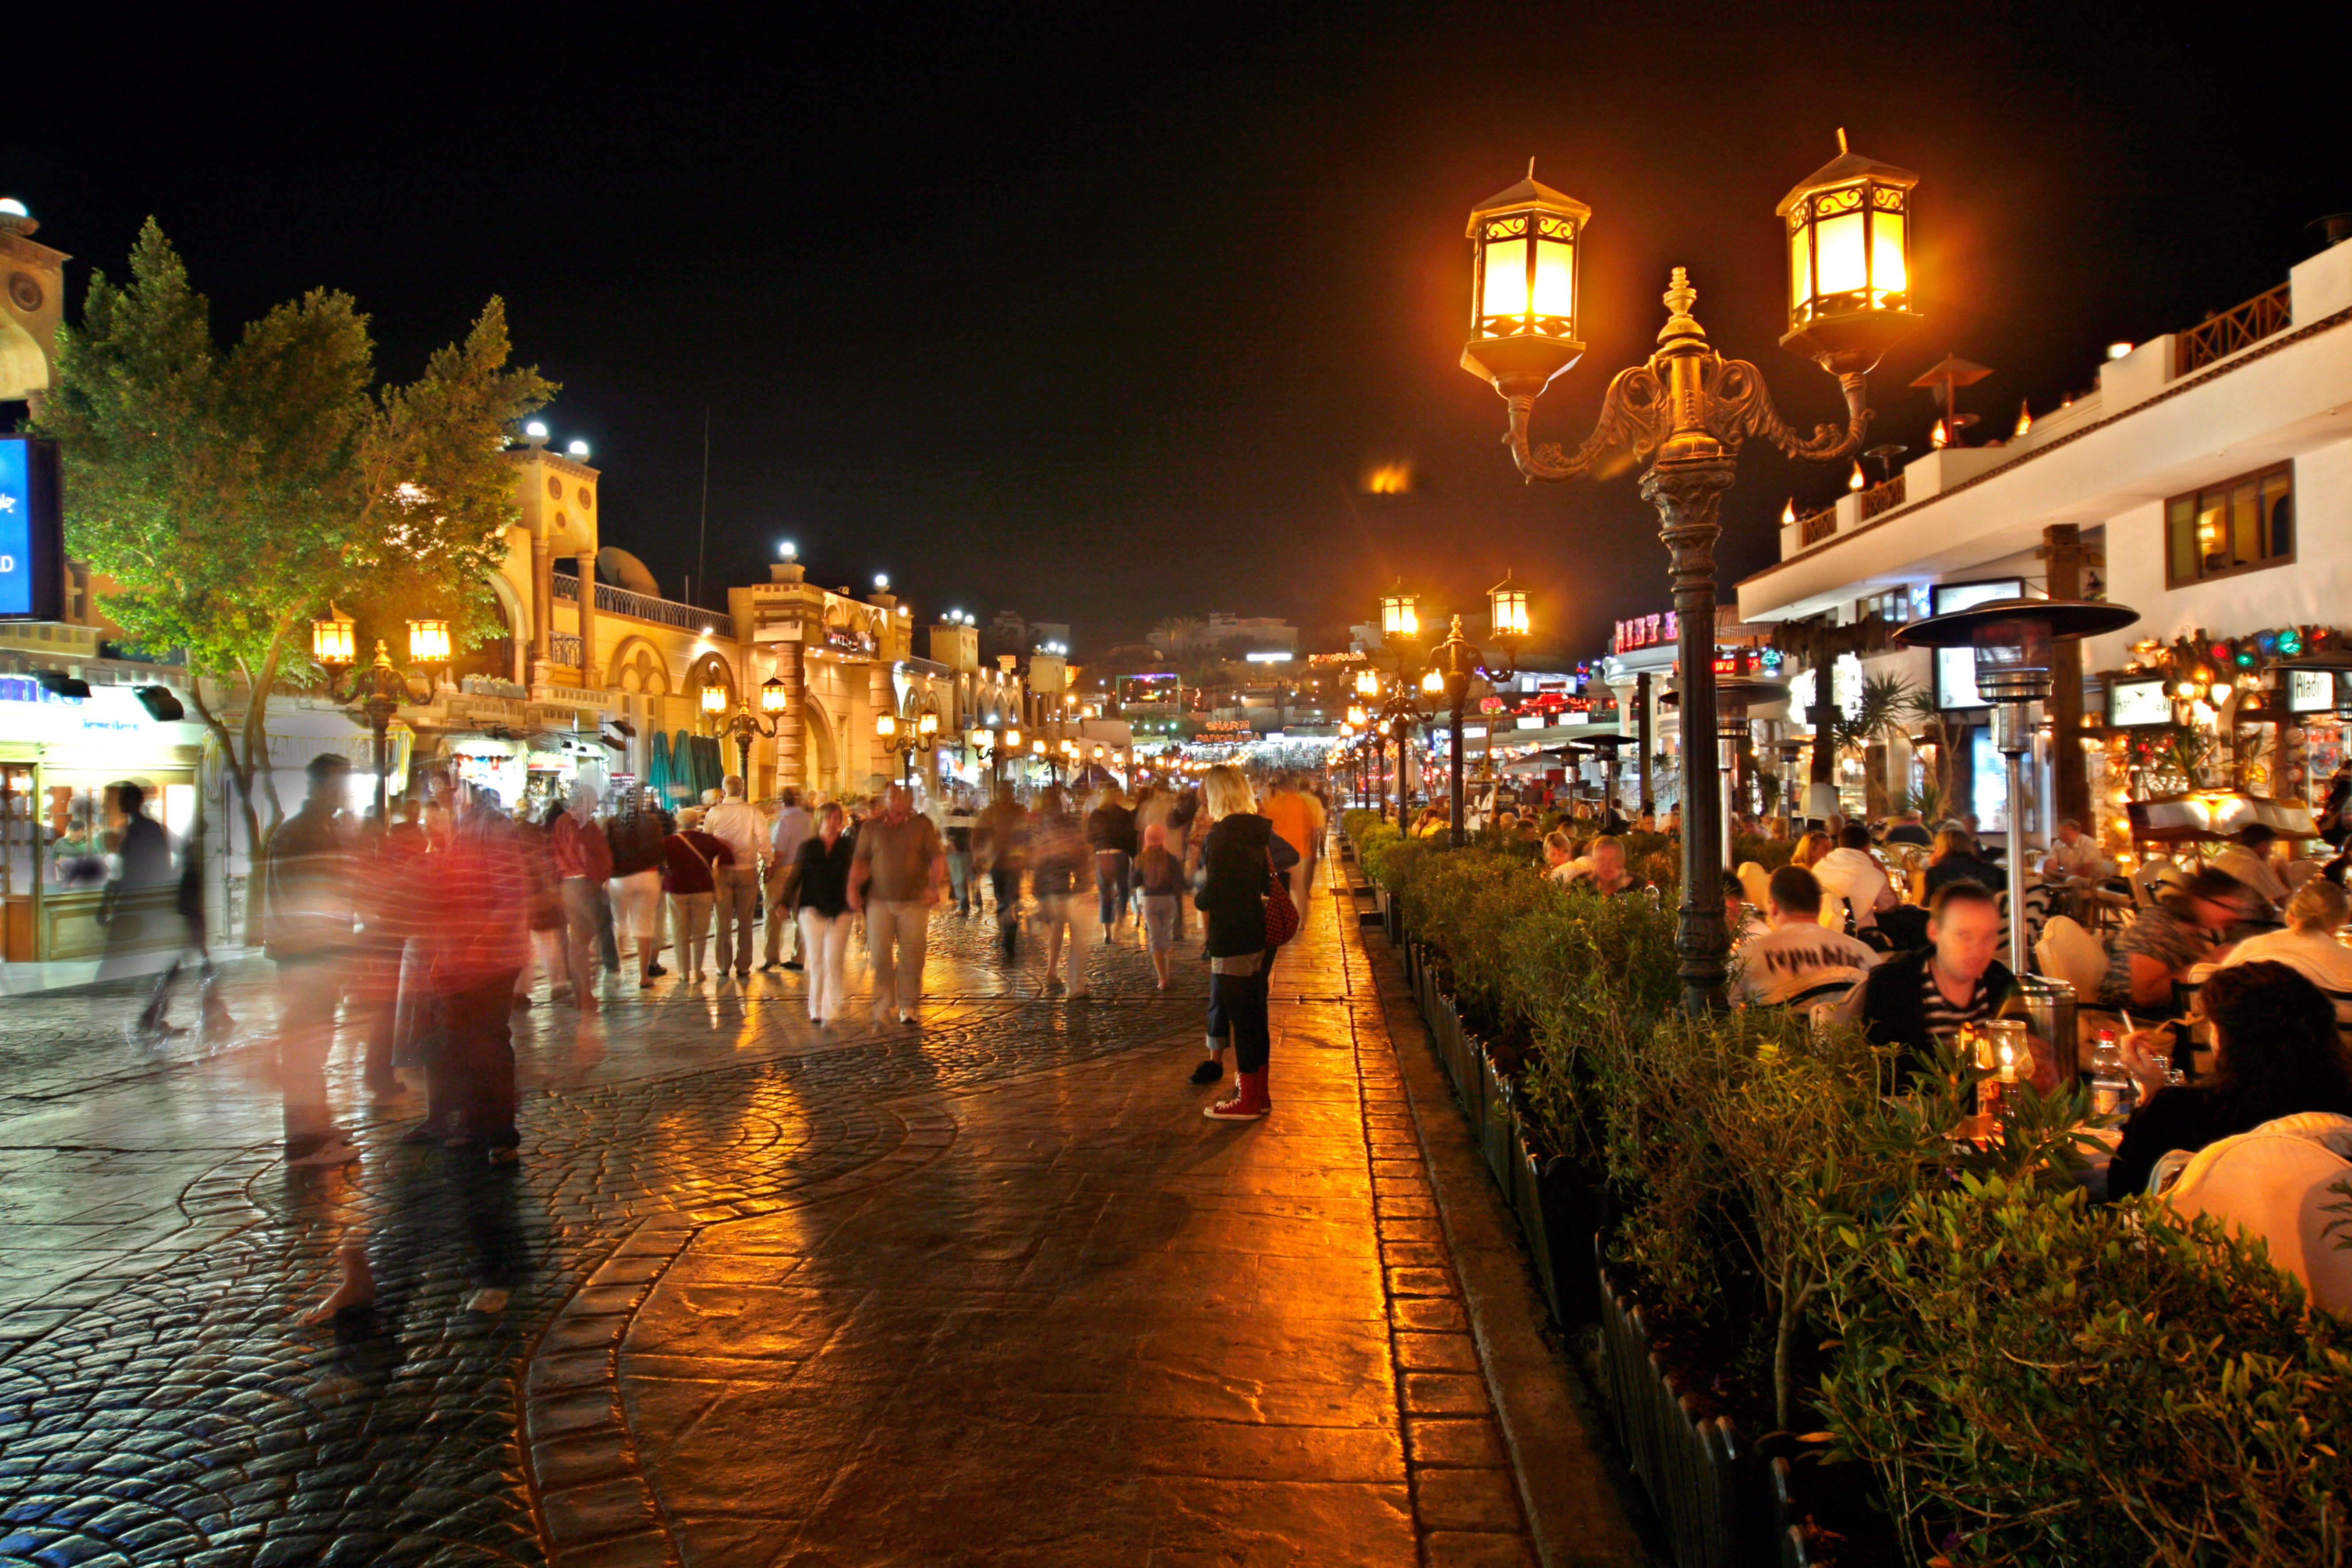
623	570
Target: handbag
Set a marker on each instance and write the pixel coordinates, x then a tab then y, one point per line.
1281	914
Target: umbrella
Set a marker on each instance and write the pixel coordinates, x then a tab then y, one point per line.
682	787
657	769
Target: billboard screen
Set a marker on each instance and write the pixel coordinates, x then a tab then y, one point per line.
32	531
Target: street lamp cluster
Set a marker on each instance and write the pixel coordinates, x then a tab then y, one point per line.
379	690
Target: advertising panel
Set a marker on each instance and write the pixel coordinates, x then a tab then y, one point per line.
32	531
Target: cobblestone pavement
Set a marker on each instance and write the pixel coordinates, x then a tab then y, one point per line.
989	1290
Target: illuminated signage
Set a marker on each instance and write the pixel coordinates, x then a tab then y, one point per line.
2311	691
1956	667
2133	703
1646	631
32	531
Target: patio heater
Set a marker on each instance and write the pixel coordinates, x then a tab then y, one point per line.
2013	638
1792	753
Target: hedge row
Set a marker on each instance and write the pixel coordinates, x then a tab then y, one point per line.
2033	1379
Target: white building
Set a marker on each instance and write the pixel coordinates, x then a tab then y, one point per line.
2210	477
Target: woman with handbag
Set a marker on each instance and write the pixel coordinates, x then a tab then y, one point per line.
1247	909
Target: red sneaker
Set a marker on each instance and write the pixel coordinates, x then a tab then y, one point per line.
1249	1102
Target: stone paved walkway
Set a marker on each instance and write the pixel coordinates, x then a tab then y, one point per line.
990	1291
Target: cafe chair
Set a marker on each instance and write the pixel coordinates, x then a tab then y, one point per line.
2068	953
1754	883
2274	1184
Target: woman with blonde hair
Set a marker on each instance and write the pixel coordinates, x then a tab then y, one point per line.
1239	859
2308	944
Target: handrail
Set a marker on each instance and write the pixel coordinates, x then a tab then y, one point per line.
563	648
1814	527
614	601
1884	496
2241	327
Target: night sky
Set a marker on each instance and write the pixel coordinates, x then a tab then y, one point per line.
1106	318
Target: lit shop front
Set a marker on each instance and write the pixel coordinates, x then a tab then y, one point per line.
61	761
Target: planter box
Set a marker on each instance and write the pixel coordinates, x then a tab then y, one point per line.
1710	1491
1498	1123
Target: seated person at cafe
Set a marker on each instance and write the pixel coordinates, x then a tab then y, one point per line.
1907	829
2180	930
1797	959
1955	860
1851	878
1915	999
2248	860
2309	944
1604	867
2075	855
2275	1053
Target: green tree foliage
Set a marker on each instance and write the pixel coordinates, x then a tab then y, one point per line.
232	492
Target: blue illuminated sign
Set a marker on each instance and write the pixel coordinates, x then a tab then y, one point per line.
31	586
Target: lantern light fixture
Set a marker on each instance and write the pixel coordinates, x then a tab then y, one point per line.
714	699
773	697
1013	737
578	451
1849	227
1506	607
331	639
1528	248
885	725
1399	614
428	641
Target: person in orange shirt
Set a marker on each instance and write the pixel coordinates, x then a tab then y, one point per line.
1298	817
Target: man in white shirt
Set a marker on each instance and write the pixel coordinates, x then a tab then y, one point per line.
793	827
736	823
1851	875
1798	959
2076	855
2248	860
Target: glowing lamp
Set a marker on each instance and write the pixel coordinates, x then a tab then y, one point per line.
772	696
714	699
928	725
2187	690
1356	715
1368	683
1098	753
979	738
1849	227
1038	748
1013	737
1525	252
428	642
331	639
1506	608
1399	614
1434	682
886	726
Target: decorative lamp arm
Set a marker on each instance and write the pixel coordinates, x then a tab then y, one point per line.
1748	411
1632	420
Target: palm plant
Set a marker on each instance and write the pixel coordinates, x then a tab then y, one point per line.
1887	703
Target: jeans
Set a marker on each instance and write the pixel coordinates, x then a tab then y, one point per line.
308	990
737	898
1112	870
1067	911
583	900
636	909
783	897
825	946
473	1069
1005	882
1237	1007
897	932
690	930
960	879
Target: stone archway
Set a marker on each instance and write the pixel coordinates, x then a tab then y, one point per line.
820	759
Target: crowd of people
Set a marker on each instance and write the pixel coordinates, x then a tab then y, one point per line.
426	933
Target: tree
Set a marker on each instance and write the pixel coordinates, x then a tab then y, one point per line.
1175	636
233	493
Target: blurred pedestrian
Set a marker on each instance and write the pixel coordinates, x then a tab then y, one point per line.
1299	821
1111	833
792	830
583	862
1059	860
1002	838
477	942
690	863
638	834
895	879
1160	875
736	823
132	911
957	826
307	926
823	861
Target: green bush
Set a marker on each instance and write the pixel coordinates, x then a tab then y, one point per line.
2037	1380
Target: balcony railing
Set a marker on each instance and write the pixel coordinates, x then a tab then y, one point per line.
564	648
612	601
1814	527
2218	337
1884	496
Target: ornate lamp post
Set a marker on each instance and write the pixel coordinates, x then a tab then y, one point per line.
2012	640
904	734
1687	411
1457	661
379	692
741	726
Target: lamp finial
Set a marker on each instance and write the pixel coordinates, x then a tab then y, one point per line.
1679	299
1842	146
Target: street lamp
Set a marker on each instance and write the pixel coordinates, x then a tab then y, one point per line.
2012	640
378	691
740	726
904	735
428	641
1687	409
1456	661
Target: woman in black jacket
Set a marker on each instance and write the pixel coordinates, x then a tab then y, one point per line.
1239	859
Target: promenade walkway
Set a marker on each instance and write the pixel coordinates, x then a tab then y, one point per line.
987	1291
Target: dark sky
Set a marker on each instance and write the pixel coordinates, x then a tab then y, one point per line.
1104	317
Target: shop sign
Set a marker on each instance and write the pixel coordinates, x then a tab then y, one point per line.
2138	702
35	714
1646	631
2311	691
32	531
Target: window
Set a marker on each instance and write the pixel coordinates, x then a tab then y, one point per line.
2243	525
1893	606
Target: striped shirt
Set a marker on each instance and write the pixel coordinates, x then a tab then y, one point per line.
1945	1020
